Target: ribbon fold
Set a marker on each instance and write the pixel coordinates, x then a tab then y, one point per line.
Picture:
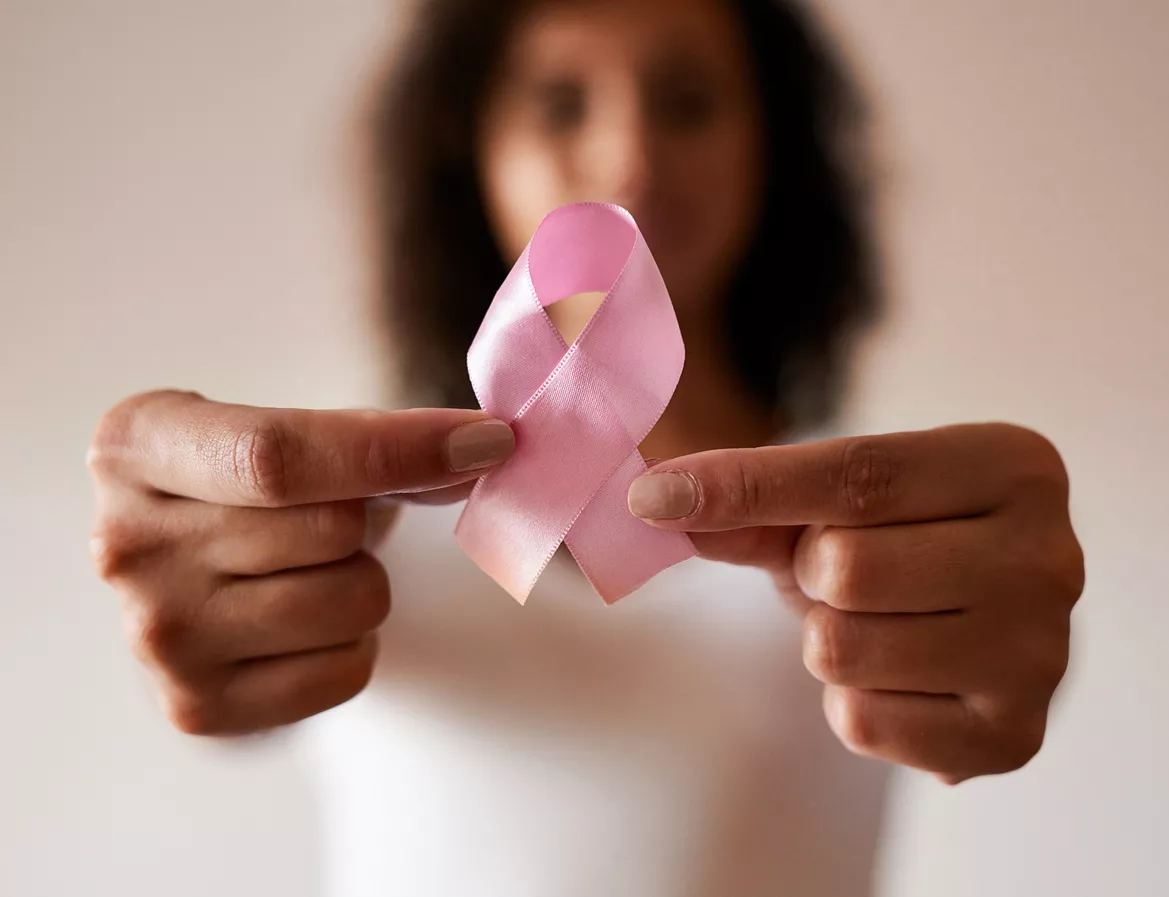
579	412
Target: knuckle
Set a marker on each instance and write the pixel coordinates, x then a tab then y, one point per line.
854	722
1041	449
1040	467
117	548
103	447
1048	562
112	436
839	568
259	464
195	712
743	491
384	459
157	636
830	649
869	479
1017	732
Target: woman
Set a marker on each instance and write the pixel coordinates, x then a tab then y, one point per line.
673	744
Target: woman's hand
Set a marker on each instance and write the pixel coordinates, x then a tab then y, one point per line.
937	572
235	537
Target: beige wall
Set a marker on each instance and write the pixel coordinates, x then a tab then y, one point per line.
1029	227
164	166
172	212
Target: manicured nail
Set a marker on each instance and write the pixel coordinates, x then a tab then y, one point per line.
480	445
663	496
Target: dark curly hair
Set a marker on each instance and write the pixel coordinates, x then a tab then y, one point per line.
809	278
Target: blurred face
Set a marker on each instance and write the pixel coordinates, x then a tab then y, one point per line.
648	104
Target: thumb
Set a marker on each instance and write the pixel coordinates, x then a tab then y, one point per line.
184	445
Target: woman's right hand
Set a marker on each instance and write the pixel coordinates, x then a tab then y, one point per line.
235	536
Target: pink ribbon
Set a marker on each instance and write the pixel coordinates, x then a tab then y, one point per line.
579	412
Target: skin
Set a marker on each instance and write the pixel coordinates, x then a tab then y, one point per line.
936	607
935	572
236	538
649	105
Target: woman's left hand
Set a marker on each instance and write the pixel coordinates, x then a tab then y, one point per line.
936	573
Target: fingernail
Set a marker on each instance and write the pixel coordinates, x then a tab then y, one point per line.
663	496
480	445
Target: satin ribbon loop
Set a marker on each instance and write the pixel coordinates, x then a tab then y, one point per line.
579	412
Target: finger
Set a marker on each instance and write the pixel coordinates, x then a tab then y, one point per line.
260	541
914	568
179	535
292	612
944	654
905	477
770	548
264	694
938	734
182	444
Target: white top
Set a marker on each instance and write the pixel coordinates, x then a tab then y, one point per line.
670	746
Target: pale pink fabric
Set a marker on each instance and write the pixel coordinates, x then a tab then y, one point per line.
578	412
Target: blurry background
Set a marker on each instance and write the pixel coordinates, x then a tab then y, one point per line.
166	167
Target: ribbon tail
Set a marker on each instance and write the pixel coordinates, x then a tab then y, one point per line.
617	552
508	554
